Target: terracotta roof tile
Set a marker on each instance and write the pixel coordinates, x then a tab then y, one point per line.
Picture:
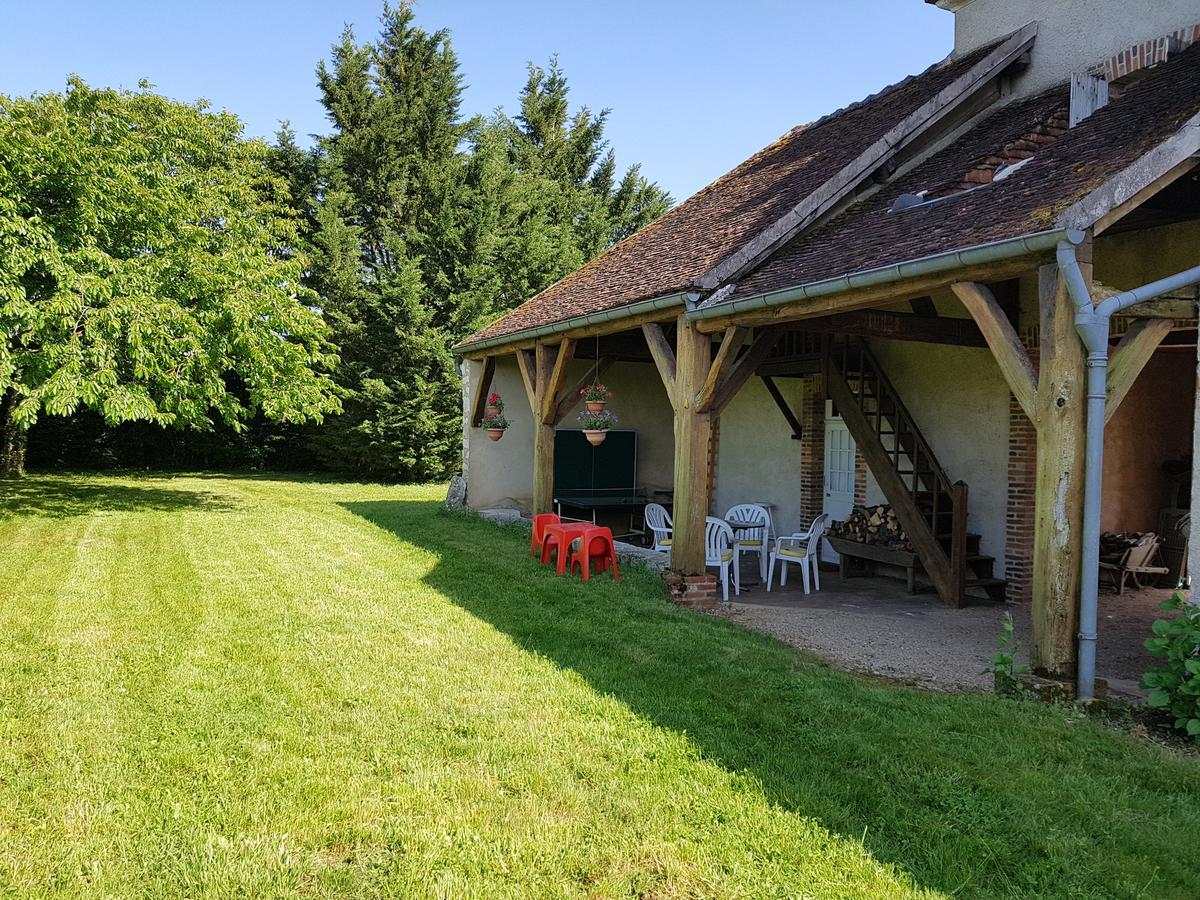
666	256
869	235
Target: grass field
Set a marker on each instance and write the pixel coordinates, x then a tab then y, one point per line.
220	686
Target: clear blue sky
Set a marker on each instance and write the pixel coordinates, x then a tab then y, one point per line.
695	87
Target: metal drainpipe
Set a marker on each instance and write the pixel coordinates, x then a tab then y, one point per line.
1092	322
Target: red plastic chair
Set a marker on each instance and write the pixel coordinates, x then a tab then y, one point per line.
540	521
595	546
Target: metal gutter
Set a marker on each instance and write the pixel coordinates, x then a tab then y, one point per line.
927	265
1092	323
608	315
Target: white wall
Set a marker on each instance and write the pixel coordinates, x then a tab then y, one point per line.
957	396
1072	34
501	474
959	400
757	459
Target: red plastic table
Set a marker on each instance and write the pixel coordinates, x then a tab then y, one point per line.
562	533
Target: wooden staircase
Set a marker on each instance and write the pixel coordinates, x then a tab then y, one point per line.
932	509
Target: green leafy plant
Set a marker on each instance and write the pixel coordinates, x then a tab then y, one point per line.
495	401
494	423
1005	668
1176	686
600	421
596	393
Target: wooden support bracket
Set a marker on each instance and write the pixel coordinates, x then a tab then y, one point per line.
731	342
549	392
663	356
781	402
1005	345
569	396
482	387
527	366
742	370
1130	357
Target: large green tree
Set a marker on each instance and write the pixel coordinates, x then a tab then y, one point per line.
424	224
149	270
382	242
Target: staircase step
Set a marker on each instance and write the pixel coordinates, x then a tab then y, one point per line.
986	582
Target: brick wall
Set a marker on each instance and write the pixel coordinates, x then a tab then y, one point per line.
860	478
1021	500
812	449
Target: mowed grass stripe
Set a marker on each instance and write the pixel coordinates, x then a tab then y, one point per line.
487	709
334	689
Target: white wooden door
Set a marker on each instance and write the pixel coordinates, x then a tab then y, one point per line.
839	473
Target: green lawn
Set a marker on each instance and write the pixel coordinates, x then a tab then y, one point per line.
253	687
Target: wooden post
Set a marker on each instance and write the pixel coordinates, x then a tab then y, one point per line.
693	352
1193	558
548	375
1060	407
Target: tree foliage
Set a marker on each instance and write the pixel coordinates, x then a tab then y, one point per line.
214	269
426	224
146	270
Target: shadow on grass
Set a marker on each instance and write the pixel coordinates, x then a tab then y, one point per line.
64	496
969	794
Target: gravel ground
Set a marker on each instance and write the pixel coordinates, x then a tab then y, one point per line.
870	625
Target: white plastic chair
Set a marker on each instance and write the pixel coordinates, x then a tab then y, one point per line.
658	520
754	540
802	548
718	551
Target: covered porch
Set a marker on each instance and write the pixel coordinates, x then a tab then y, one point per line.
961	392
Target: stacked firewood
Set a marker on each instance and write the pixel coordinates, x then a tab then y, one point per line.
873	525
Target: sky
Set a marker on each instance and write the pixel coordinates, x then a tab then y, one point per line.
694	87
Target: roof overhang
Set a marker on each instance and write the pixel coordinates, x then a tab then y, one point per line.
798	301
880	154
1137	183
617	319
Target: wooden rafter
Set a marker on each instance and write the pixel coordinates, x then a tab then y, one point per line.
1002	338
898	326
480	392
923	306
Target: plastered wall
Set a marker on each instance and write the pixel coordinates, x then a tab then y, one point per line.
757	460
501	474
1072	34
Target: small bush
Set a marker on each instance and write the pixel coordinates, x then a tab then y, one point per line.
1176	687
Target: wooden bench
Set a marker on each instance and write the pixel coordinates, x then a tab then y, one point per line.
870	555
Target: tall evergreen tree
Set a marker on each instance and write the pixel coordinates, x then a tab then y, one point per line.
422	225
385	177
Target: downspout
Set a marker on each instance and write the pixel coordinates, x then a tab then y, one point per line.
1092	322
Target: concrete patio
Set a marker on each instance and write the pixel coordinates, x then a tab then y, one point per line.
871	625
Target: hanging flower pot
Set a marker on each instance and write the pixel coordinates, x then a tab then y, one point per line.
494	406
495	426
595	425
595	397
